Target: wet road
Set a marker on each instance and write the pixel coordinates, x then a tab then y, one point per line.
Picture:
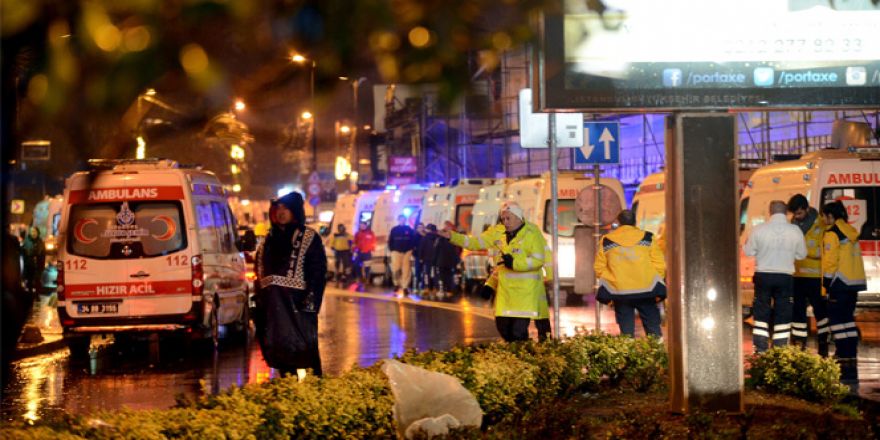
355	329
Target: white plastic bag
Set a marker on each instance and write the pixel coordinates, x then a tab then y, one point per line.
421	394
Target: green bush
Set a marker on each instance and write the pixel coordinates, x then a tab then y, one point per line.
795	372
507	380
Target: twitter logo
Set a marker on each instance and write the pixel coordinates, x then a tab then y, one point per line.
764	76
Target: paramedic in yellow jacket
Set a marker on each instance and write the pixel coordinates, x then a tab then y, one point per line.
843	276
808	276
631	268
520	291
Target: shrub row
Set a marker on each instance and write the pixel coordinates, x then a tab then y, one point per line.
795	372
505	378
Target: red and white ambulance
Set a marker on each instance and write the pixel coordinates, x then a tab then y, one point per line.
851	176
148	246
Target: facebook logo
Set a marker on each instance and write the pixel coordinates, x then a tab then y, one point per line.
672	77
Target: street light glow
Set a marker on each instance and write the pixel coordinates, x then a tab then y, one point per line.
236	188
239	105
141	151
344	129
297	58
306	115
234	169
236	152
343	78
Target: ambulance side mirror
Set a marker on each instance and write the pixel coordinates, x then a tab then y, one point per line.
247	242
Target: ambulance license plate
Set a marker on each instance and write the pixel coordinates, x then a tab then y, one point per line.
97	308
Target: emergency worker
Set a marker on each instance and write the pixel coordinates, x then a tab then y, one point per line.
520	275
843	276
341	243
776	245
631	268
808	276
364	244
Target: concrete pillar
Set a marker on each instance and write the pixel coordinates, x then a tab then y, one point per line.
705	324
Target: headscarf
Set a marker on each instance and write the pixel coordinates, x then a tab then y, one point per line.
279	242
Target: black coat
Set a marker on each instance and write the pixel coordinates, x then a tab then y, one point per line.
446	254
425	251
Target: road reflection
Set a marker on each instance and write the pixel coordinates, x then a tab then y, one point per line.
122	374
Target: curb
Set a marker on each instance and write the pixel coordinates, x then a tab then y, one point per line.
38	349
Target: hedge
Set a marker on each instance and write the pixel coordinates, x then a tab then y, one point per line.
507	380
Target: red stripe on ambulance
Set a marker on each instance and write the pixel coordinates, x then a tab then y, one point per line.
853	179
97	195
143	288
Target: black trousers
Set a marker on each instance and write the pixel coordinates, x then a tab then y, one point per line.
544	329
809	291
649	313
772	309
513	329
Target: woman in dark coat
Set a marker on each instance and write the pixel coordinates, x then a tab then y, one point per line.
34	261
292	272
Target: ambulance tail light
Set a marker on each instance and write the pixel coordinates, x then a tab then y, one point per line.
59	280
250	275
198	276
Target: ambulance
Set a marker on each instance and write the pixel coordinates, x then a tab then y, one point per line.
47	216
849	175
148	246
534	196
477	264
351	209
392	203
649	203
454	203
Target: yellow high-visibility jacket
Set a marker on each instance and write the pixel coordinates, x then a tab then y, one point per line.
811	267
842	265
630	264
341	242
520	290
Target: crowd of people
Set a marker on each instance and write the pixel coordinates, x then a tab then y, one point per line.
812	259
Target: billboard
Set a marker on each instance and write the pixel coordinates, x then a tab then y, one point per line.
709	54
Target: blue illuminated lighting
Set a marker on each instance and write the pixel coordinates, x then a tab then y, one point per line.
390	187
407	211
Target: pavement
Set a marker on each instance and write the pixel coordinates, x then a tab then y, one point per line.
43	334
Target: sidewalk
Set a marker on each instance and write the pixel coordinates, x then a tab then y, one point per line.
42	332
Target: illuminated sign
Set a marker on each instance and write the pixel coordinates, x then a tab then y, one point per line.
704	54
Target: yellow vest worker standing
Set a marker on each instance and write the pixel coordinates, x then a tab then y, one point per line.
520	276
631	268
341	244
843	277
808	276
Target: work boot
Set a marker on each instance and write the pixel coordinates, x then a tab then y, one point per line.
849	374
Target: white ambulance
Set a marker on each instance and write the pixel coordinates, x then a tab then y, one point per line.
351	209
822	176
485	214
649	203
454	203
534	196
148	246
392	203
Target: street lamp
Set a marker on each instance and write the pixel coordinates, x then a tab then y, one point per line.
239	105
299	59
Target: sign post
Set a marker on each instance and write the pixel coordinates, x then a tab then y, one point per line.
602	145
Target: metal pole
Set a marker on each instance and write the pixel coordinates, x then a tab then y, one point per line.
554	205
597	234
314	118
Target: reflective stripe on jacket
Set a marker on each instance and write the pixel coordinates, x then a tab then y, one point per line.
811	267
842	265
520	292
630	264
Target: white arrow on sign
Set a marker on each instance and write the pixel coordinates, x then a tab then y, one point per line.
587	149
606	138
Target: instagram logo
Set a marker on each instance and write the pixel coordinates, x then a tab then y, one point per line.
764	76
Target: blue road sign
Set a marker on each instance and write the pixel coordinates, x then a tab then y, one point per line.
601	143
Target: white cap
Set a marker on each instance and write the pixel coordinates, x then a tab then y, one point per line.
514	209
